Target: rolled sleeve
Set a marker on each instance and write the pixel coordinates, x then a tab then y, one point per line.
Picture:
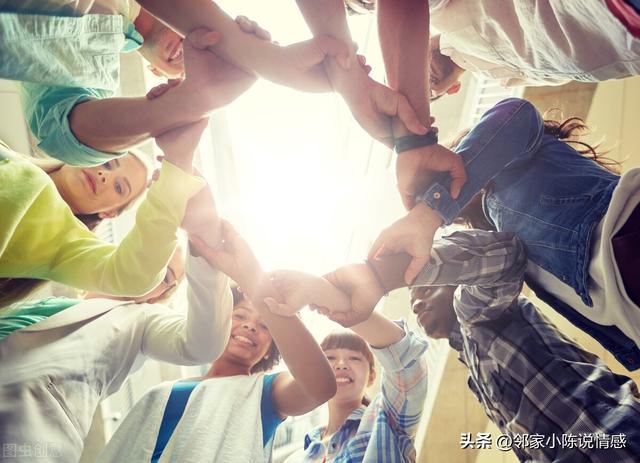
403	354
47	110
438	198
404	380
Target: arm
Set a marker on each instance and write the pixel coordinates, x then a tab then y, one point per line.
311	381
293	65
327	17
508	133
404	370
489	266
115	124
372	104
403	29
202	335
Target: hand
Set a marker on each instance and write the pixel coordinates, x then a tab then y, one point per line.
412	234
210	82
416	168
179	144
298	289
160	89
299	65
374	105
249	26
358	282
233	257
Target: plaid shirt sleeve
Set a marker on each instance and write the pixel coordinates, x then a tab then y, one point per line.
488	267
404	380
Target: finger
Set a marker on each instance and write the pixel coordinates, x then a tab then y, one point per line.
416	265
202	38
383	251
458	178
262	33
408	116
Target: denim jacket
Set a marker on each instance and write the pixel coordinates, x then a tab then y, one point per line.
547	193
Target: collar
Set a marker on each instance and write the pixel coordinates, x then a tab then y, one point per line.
132	38
316	433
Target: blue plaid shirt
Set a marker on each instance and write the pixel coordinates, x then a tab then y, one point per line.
531	379
383	431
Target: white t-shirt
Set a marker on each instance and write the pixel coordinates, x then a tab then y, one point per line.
611	304
536	42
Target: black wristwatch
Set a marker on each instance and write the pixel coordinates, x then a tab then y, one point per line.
413	141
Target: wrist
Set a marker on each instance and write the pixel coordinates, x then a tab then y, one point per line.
427	217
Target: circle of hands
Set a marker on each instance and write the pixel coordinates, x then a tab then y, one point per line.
350	293
347	295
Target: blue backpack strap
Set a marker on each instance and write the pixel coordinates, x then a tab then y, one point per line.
173	411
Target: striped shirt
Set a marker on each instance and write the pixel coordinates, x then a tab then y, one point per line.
383	431
532	381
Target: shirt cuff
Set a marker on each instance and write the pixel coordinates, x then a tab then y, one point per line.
438	198
403	353
173	190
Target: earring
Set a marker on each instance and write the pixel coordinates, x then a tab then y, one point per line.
266	357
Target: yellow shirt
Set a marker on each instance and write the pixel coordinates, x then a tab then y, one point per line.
41	238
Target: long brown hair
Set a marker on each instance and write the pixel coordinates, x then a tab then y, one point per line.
568	131
351	341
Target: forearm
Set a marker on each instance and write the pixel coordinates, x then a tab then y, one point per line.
117	124
508	133
379	331
404	379
299	349
403	29
326	17
488	266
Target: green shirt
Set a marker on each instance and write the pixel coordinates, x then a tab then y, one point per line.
27	314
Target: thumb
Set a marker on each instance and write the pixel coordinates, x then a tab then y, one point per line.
458	178
416	265
407	115
202	38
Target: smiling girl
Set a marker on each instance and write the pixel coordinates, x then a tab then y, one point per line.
231	413
382	429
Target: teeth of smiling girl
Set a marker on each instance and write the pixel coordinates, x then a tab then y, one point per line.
343	380
244	340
